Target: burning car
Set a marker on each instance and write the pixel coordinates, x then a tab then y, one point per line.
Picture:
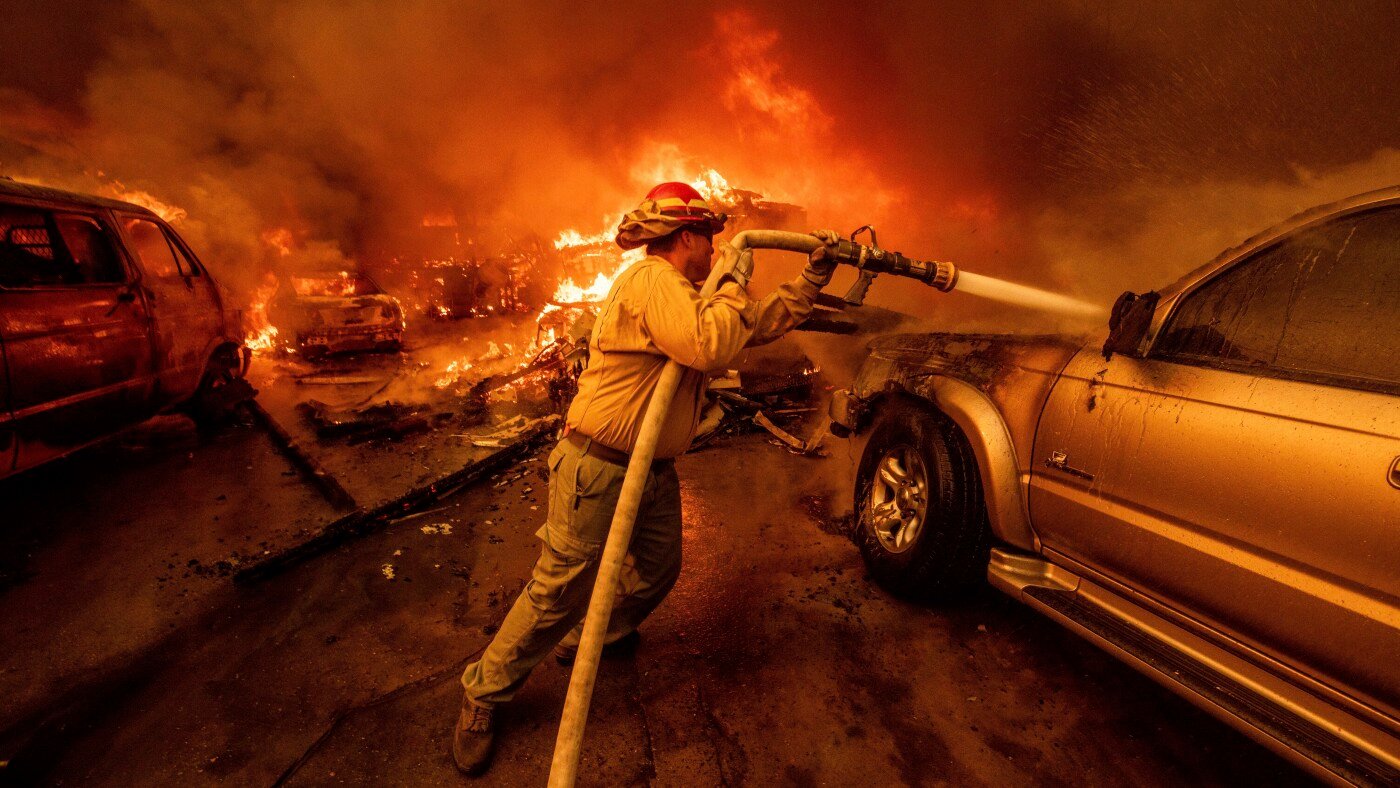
1209	490
106	318
336	311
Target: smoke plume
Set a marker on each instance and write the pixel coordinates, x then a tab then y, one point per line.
1085	146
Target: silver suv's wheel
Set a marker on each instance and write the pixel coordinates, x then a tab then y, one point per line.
899	498
922	525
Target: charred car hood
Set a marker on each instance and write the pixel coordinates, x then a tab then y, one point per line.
1014	372
347	311
347	302
980	359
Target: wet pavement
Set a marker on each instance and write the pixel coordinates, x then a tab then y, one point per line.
775	660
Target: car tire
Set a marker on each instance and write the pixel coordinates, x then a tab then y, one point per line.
921	521
210	405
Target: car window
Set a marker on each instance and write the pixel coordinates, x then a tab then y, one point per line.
29	253
90	247
1323	303
38	249
151	247
182	258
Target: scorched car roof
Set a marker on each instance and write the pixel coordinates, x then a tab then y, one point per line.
28	191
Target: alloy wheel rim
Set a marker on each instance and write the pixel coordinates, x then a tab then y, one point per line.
899	498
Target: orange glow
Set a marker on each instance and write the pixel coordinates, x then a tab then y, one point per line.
280	239
338	283
170	213
756	81
259	335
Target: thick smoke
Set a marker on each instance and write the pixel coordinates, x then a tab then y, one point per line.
1084	146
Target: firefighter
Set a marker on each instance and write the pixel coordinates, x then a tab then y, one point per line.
652	314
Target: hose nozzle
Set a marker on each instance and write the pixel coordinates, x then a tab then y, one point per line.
936	273
868	259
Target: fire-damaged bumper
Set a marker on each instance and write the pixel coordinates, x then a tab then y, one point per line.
334	340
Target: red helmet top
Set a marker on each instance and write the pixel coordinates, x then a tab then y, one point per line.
681	201
667	208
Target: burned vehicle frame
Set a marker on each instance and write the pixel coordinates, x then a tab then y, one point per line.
1209	490
324	312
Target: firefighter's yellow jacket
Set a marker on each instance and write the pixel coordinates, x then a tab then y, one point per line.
653	314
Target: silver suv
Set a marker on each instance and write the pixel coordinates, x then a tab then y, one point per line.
1209	490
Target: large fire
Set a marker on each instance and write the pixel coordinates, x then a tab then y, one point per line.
709	183
590	255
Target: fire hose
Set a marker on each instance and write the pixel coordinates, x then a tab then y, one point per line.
870	260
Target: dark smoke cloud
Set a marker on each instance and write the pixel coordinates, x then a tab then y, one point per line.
1042	143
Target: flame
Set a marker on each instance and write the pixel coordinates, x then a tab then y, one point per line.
570	239
713	186
341	283
170	213
572	295
709	182
757	82
117	190
444	219
453	373
259	335
280	239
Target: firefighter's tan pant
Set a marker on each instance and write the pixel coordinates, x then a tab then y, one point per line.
583	492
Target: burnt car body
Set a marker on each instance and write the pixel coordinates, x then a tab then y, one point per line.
1209	491
336	312
106	317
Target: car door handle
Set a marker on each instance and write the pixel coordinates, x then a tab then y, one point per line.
1060	462
124	297
1394	474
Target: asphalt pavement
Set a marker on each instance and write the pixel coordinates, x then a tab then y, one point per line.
136	661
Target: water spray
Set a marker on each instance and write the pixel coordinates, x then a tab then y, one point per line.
870	260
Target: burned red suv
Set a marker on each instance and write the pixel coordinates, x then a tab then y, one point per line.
106	318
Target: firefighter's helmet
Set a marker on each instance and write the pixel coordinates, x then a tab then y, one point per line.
667	208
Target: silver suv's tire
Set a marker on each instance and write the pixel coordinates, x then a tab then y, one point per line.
921	522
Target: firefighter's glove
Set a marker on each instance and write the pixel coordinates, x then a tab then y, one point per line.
737	265
821	264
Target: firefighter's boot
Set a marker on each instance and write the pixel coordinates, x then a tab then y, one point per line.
474	737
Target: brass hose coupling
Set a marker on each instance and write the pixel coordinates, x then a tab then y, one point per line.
870	260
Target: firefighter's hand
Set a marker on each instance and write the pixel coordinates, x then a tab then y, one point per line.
736	265
821	264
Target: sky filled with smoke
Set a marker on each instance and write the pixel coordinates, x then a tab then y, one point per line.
1086	146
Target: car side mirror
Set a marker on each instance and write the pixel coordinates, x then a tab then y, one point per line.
1128	323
